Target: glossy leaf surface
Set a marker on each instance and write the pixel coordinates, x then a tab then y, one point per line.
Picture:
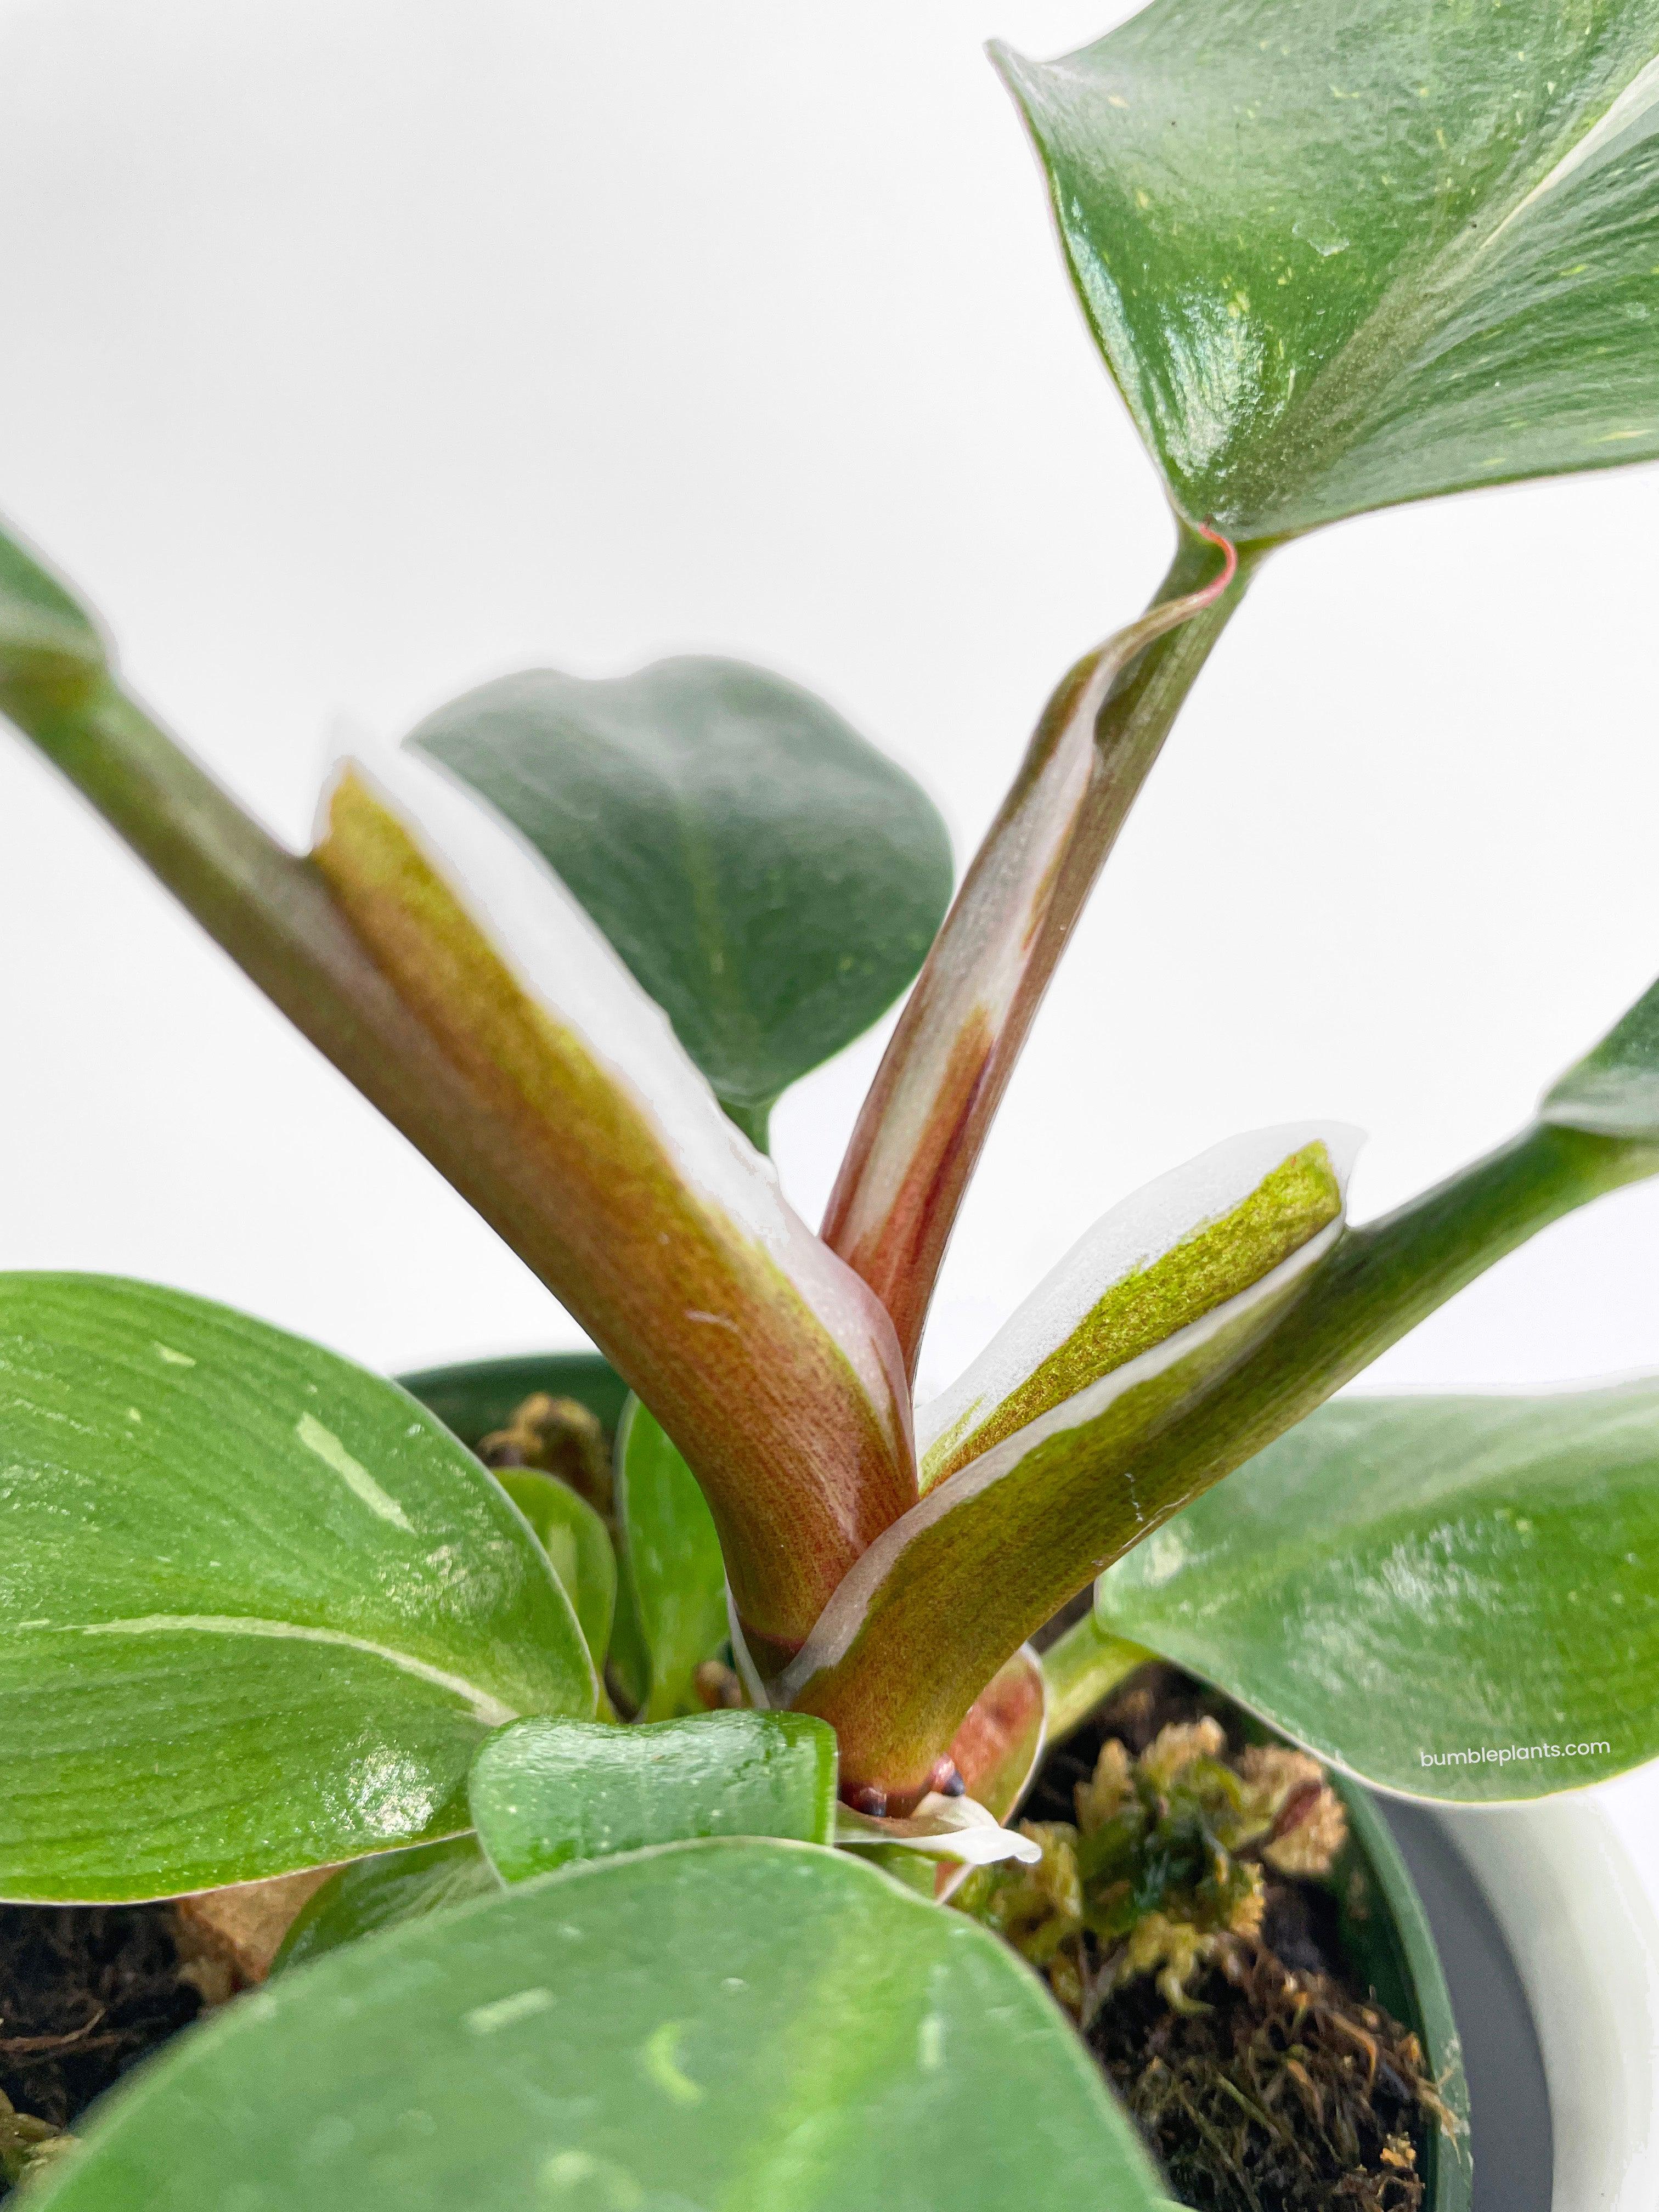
675	1247
1341	255
771	879
578	1545
546	1793
257	1609
764	2027
377	1893
1457	1598
672	1567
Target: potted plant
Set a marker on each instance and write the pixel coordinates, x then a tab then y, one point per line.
265	1615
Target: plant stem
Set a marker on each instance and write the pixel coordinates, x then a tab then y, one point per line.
376	962
1379	1282
1081	1667
273	913
923	1124
955	1598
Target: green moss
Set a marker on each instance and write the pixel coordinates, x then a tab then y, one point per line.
1285	1209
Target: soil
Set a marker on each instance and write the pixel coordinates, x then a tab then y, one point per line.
1289	2088
85	1992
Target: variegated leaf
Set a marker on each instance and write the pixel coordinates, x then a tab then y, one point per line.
769	1362
1164	1257
943	1598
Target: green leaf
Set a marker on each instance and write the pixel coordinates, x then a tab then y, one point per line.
1341	255
1456	1598
672	1613
257	1609
764	2027
772	880
381	1892
1613	1092
545	1792
49	645
577	1542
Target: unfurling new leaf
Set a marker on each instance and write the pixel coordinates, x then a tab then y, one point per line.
1214	1256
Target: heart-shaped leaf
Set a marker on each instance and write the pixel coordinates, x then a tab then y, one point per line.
381	1892
673	1613
1457	1598
546	1793
671	1242
49	647
257	1609
1339	255
771	879
578	1544
765	2026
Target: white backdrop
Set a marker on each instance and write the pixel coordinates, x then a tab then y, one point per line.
356	351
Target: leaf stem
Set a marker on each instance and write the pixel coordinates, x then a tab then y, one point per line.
1378	1283
967	1590
1081	1667
272	911
930	1108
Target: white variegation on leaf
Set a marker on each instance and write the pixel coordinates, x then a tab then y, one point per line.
1040	1511
1157	1261
258	1608
956	1829
681	1255
564	963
